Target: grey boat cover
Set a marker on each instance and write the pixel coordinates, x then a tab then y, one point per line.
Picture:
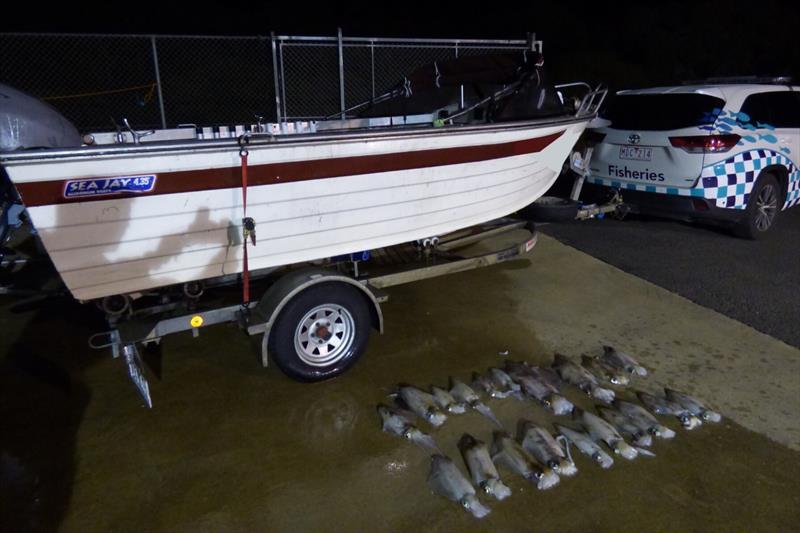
26	122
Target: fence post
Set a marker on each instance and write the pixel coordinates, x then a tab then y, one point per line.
275	77
158	82
283	80
460	87
372	63
341	74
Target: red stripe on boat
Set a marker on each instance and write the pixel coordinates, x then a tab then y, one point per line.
52	192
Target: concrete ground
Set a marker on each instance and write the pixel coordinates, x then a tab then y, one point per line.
755	282
233	447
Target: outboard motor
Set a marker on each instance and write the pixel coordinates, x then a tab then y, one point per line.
10	210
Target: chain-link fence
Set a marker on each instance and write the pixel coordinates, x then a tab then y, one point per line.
319	77
90	79
216	80
163	81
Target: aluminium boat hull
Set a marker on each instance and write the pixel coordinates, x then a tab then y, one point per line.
312	197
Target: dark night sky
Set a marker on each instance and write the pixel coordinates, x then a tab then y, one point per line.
621	43
756	19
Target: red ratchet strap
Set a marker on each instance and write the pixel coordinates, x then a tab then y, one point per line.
248	224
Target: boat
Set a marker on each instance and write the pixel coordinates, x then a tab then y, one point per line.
453	145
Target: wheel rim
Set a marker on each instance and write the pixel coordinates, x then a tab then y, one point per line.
766	207
324	335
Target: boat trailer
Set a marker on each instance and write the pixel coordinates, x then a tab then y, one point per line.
425	259
579	164
563	209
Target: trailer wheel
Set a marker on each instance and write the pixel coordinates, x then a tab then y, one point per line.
321	332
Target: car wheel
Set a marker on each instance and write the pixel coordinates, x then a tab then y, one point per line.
762	208
550	209
321	332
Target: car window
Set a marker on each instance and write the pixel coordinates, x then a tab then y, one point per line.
662	111
780	109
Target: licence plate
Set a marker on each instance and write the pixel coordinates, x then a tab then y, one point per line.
637	153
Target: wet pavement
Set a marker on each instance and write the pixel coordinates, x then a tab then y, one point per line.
755	282
231	446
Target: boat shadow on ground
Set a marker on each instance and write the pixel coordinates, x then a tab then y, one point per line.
43	400
43	391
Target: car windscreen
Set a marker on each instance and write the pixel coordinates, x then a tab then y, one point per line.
661	111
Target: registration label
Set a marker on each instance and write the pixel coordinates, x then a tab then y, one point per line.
636	153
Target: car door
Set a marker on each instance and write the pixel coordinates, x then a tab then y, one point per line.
774	118
792	123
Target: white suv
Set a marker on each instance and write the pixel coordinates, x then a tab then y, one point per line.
721	150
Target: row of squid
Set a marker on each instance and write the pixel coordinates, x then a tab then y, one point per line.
536	454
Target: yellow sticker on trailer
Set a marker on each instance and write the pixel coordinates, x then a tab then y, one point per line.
196	321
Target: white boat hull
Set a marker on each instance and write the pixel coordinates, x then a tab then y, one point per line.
136	242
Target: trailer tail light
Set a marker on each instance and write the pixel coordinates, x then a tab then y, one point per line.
708	144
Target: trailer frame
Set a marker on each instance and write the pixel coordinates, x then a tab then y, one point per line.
258	317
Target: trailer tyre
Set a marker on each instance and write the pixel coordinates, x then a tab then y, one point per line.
321	332
550	209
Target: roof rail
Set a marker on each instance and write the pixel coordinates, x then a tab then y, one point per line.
768	80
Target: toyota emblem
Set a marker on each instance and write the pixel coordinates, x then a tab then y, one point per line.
634	138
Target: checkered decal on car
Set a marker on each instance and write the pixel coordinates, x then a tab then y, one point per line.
793	191
728	182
